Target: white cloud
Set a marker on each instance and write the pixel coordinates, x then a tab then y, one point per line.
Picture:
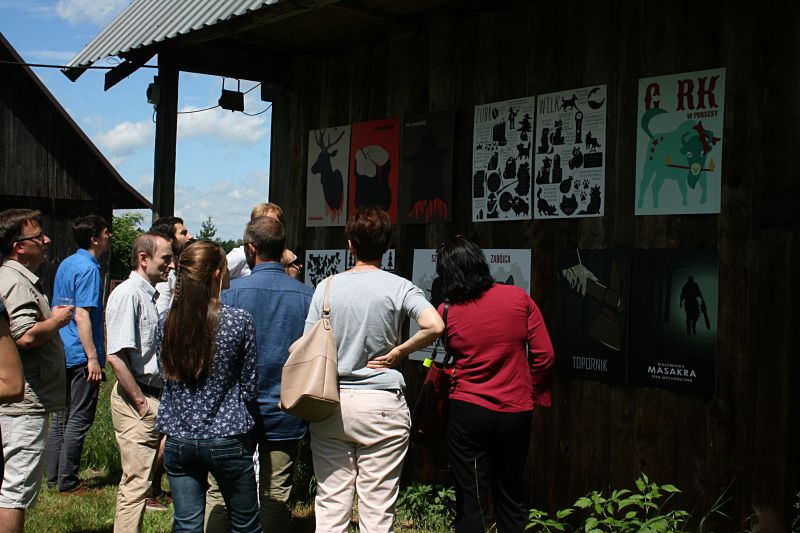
221	125
96	11
55	56
125	138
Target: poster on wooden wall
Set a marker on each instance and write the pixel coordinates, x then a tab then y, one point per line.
507	266
570	146
388	261
590	330
426	172
327	176
323	263
679	143
501	160
374	165
674	310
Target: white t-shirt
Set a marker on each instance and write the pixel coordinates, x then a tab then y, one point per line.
237	263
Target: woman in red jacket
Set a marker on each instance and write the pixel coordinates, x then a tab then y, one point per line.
503	368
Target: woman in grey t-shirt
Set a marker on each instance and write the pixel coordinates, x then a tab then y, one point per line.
361	447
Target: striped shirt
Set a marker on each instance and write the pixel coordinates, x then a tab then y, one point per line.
131	323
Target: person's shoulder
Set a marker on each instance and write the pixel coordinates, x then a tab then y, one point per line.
235	313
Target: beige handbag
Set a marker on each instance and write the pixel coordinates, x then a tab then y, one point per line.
310	378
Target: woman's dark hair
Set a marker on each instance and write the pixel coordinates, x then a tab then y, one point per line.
84	228
463	271
188	347
369	231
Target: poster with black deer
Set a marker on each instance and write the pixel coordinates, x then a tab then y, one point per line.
570	147
326	194
323	263
374	165
674	310
502	160
590	330
426	172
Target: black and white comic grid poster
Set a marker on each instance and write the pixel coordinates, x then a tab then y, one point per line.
507	266
502	160
328	171
674	312
570	146
679	143
590	330
321	264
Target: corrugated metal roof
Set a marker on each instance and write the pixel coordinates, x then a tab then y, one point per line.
145	22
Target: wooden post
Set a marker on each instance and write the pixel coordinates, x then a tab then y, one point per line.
166	138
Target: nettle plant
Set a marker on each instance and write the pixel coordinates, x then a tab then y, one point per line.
622	510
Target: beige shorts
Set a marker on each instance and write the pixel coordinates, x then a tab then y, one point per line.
24	439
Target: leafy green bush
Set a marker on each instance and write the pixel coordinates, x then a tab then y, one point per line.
426	507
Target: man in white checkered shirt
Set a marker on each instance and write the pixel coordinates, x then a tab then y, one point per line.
131	325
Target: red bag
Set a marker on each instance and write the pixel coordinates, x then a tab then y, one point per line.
429	418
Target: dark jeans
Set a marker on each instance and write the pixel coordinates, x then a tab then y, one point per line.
68	430
230	460
488	449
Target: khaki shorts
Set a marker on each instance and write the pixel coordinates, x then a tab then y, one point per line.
24	439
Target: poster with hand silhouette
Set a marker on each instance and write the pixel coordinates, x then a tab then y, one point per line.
327	176
375	165
426	172
570	147
501	160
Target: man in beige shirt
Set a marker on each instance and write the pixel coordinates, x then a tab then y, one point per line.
34	328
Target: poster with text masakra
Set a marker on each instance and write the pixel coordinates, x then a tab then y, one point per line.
590	329
570	147
327	177
375	165
426	172
323	263
501	160
673	326
679	143
509	266
388	261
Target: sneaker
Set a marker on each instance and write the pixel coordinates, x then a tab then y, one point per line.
152	504
77	491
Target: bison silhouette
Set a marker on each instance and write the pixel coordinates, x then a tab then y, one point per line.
372	169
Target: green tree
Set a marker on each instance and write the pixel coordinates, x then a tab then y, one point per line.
125	229
208	231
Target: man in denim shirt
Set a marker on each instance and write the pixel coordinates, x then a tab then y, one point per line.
279	304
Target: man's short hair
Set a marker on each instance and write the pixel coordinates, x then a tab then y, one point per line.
11	223
167	225
84	228
145	243
263	210
267	236
369	231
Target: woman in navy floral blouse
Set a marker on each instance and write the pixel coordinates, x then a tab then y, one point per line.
208	360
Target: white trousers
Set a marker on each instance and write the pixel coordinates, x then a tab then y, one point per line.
360	449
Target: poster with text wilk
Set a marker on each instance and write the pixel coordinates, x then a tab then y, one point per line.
680	143
374	165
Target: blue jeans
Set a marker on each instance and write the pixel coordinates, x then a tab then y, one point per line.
230	460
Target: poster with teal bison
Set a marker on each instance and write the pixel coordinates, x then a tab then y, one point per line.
679	143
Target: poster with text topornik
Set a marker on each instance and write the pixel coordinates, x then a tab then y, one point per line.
374	165
674	310
679	143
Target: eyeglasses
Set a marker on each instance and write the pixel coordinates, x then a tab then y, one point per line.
38	237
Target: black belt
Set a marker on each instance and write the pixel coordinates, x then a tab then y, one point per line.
147	390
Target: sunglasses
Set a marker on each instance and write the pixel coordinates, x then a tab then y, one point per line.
184	231
38	237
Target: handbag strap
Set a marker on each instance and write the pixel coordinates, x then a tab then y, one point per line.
326	304
448	357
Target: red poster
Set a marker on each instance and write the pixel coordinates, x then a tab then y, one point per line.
375	165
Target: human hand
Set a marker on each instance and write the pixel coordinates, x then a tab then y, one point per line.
93	372
62	314
577	277
389	360
141	406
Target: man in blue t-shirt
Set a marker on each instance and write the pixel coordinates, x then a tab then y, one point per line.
79	282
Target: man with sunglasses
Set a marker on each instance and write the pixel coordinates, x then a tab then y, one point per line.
34	328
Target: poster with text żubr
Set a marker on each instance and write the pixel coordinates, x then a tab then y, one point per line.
501	160
570	153
673	326
326	194
375	165
679	143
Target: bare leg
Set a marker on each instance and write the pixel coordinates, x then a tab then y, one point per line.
12	520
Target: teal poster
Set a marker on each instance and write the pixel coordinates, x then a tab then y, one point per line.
679	143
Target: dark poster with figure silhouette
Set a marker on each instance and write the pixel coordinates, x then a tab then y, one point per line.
590	331
674	310
326	194
374	165
426	172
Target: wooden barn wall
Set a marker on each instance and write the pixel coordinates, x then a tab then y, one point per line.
597	435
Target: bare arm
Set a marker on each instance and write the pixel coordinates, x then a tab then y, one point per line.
119	363
42	332
84	323
12	385
431	327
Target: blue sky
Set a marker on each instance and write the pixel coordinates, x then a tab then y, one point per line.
222	157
